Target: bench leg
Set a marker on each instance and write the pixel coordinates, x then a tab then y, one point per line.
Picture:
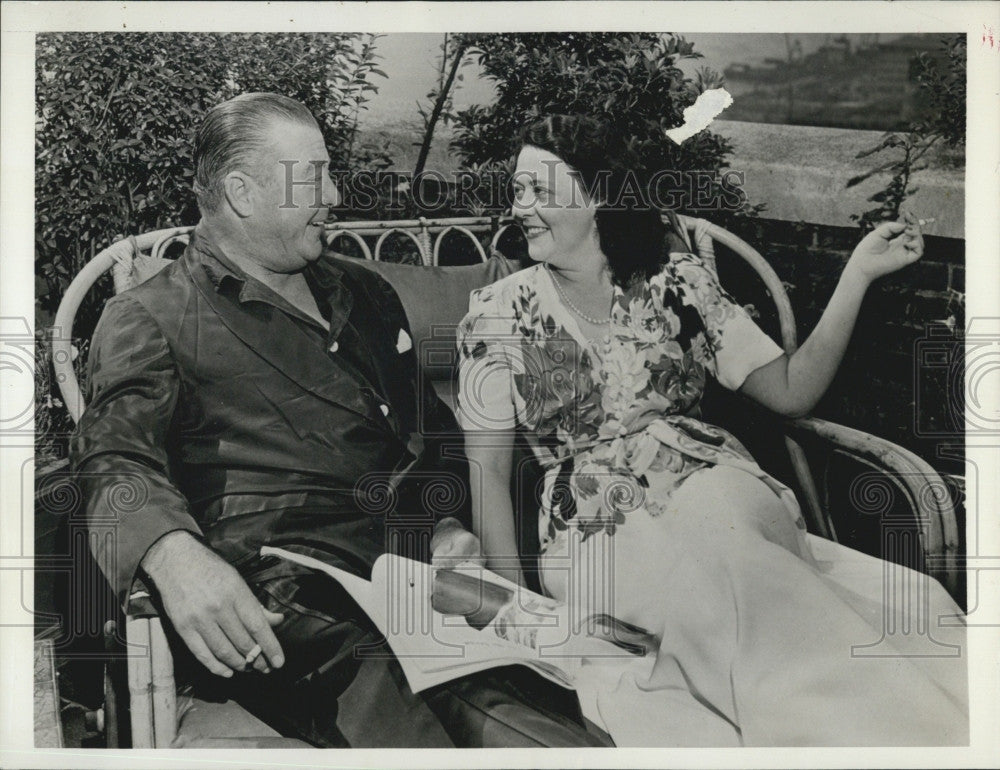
152	692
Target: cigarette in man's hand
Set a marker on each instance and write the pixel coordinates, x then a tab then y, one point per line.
923	222
253	654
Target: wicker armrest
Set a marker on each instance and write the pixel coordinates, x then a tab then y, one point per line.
152	689
140	604
156	719
890	469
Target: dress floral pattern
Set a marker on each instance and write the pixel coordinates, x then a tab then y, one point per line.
757	622
611	420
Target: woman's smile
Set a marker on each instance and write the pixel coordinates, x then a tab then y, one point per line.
533	231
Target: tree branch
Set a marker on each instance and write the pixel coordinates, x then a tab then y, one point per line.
439	102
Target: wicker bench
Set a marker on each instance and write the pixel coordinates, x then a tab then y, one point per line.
813	446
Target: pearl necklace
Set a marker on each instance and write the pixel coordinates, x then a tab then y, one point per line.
569	303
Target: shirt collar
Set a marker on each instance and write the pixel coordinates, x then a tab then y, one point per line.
223	272
217	266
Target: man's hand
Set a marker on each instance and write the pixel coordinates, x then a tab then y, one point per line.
452	544
211	606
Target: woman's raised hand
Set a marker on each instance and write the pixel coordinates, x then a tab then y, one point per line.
888	247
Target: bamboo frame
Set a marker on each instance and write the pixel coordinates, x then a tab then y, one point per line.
466	232
151	686
408	233
921	485
163	691
120	253
140	683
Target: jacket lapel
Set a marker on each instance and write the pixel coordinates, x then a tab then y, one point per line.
368	317
269	333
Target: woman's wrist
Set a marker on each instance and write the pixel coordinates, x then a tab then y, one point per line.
855	277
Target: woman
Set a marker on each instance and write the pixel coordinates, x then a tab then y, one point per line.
599	353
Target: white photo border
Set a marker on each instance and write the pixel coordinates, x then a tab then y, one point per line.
20	22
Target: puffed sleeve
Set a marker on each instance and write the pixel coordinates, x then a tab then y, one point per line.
739	345
118	451
486	395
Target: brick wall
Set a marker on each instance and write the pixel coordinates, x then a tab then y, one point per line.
902	374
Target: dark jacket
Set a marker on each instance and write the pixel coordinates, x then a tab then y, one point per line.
216	407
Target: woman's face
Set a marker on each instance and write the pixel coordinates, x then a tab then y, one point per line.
553	209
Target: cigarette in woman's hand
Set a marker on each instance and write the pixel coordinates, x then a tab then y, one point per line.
923	222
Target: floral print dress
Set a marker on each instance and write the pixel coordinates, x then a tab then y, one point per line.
610	420
664	521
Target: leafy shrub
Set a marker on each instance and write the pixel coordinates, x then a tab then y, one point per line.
941	82
630	80
941	88
52	421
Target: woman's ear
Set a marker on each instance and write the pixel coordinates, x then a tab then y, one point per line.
239	189
593	203
598	198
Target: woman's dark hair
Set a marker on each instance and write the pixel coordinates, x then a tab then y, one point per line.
631	231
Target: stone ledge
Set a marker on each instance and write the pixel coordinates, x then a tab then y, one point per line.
801	172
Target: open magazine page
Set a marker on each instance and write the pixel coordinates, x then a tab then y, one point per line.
445	623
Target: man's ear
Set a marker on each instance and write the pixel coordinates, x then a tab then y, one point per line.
239	191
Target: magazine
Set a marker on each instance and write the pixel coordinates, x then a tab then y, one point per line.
444	623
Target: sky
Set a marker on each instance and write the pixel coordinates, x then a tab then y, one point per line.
410	62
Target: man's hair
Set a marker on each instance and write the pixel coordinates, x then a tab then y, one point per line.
631	231
234	136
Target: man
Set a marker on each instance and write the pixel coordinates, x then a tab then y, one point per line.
254	394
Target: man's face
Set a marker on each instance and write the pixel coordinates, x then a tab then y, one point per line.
293	197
